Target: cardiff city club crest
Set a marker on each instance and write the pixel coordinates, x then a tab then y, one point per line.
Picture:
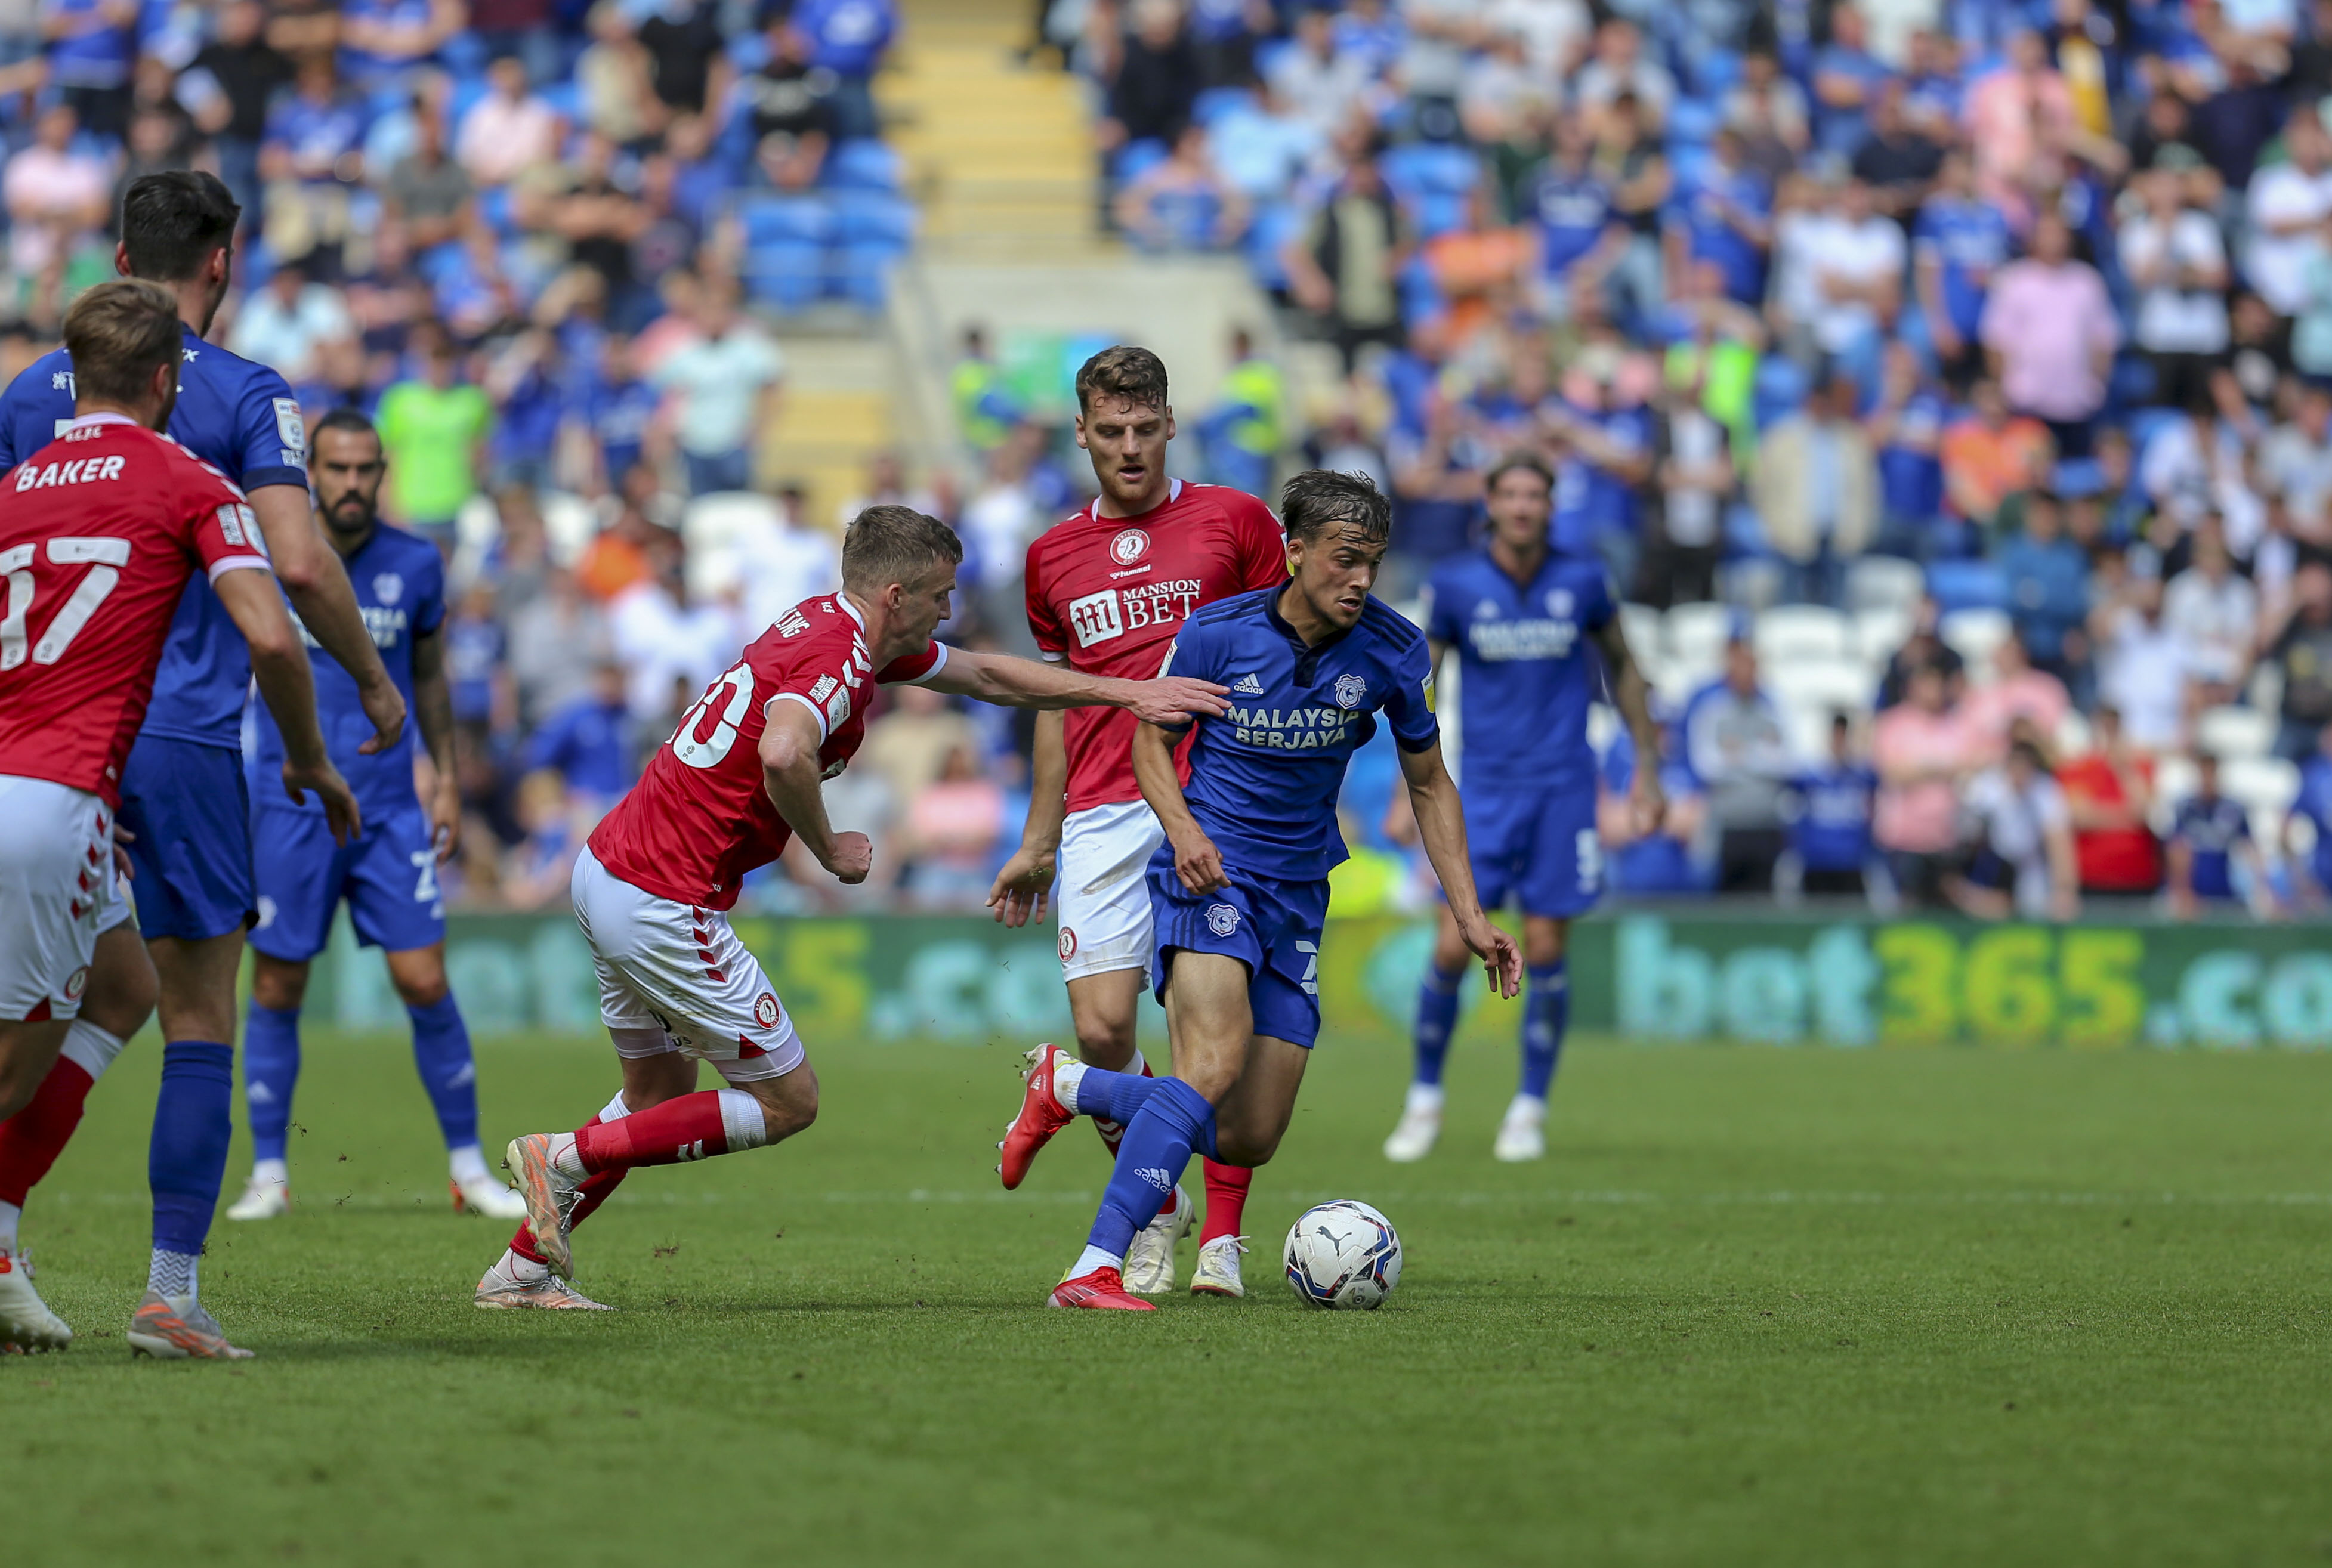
1350	690
1222	919
389	587
1559	604
1129	547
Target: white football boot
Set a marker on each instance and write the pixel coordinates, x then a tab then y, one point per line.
513	1283
25	1321
1420	1128
262	1200
485	1195
1150	1261
1522	1136
1218	1270
177	1328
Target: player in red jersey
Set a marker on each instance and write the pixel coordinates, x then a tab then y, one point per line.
738	778
1107	590
99	532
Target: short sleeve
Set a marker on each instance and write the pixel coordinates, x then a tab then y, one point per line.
1044	622
1262	550
225	534
1409	706
270	436
1198	653
915	669
429	604
1442	623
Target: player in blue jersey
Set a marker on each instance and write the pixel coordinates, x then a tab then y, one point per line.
1521	616
185	814
387	874
1240	888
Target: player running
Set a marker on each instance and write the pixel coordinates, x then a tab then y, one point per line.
185	814
387	874
1521	616
102	529
1107	590
737	779
1241	885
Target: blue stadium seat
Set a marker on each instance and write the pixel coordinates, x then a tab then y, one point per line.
769	219
498	211
1215	103
1136	158
1273	225
785	275
872	218
565	99
1691	122
1779	390
1967	585
863	164
1715	73
861	274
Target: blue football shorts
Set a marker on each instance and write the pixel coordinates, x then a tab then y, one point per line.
1538	846
188	810
387	874
1270	925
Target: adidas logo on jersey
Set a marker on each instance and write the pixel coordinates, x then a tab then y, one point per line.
1247	686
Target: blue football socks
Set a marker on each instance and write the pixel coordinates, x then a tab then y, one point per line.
441	1051
1436	1017
194	1121
271	1072
1113	1096
1546	1013
1159	1140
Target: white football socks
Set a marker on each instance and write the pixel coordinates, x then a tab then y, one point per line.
175	1275
1094	1257
270	1173
564	1158
466	1163
1423	1098
1065	1079
741	1121
10	1215
90	1048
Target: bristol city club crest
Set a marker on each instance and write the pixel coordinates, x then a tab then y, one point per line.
1350	690
1068	944
1222	919
764	1010
1129	547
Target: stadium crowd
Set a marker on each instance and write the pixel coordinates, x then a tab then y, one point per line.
1947	383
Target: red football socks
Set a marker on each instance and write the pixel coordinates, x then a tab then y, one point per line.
1226	1187
687	1128
31	1139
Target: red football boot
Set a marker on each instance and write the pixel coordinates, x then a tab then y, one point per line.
1041	1115
1104	1287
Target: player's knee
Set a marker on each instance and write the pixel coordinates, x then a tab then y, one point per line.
278	986
122	991
421	990
1105	1042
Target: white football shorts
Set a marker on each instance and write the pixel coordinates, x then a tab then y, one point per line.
1100	891
679	970
56	886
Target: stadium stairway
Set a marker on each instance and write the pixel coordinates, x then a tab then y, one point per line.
1000	153
836	414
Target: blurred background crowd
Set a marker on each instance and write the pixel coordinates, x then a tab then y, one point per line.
1945	384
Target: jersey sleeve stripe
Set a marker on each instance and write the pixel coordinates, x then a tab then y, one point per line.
227	563
925	678
815	711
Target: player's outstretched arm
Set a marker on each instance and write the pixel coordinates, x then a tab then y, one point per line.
1441	824
1633	693
1197	862
279	663
1013	682
1023	885
791	774
317	586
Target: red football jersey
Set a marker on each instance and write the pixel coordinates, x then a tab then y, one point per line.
1107	594
99	531
699	818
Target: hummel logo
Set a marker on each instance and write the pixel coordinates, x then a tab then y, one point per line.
1247	686
1161	1180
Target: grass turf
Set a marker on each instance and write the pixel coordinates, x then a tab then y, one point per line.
1758	1306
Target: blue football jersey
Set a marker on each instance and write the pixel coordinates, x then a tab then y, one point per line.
1265	776
1529	677
241	419
400	583
2211	829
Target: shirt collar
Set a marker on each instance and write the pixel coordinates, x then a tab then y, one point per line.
89	421
850	609
1294	637
1174	494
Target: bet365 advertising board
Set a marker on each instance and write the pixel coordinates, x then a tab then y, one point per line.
1670	975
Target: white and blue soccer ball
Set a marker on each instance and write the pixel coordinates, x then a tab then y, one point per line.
1342	1254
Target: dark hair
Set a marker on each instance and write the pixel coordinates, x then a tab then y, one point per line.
347	417
119	334
2029	754
1127	373
888	544
1318	498
1519	462
171	221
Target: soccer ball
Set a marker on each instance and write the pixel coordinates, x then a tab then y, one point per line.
1342	1253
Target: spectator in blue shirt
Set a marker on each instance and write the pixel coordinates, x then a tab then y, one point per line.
1722	212
1958	242
2311	868
1580	234
1846	78
90	51
584	741
1830	847
2211	856
848	37
1906	431
1663	860
2047	587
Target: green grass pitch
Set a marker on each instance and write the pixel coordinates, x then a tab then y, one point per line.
1758	1306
